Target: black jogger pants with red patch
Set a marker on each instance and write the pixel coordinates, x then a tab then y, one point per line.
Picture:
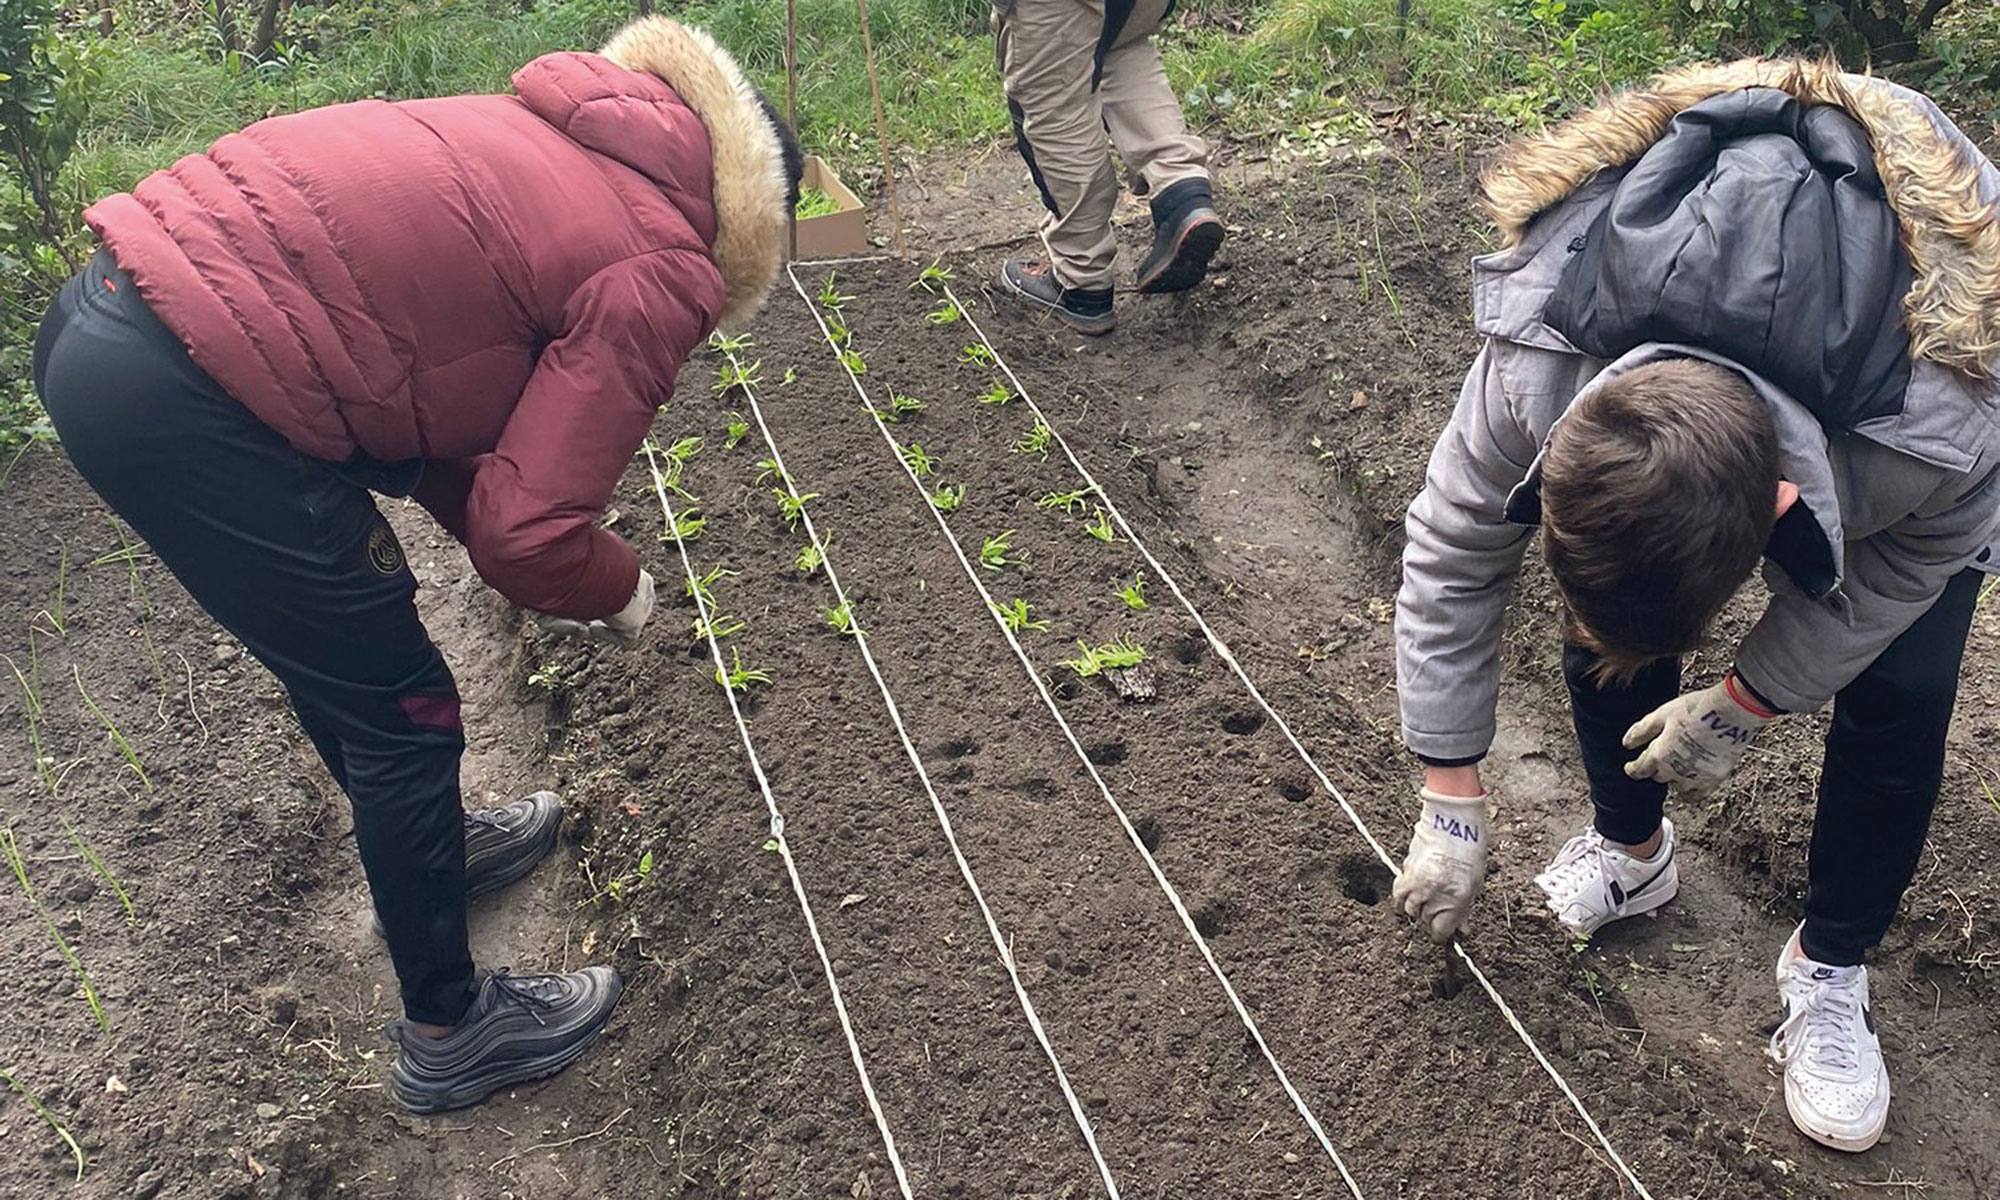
290	555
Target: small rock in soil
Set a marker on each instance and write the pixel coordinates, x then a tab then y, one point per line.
1134	685
268	1111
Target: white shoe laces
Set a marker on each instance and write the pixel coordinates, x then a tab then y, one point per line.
1821	1028
1577	868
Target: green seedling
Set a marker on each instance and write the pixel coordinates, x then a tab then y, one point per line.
841	619
700	589
48	1118
129	554
852	360
1092	660
791	377
1070	502
1037	440
548	678
12	854
717	626
56	614
830	298
738	430
900	404
1100	528
948	497
1014	614
768	471
685	526
1134	594
995	393
945	314
812	558
685	449
792	506
31	706
993	553
975	354
915	457
734	374
934	276
723	344
117	738
103	872
1990	797
814	202
838	333
739	677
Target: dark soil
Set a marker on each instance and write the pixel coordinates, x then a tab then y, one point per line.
1263	436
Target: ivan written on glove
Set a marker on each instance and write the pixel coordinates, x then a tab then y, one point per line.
1694	741
1445	869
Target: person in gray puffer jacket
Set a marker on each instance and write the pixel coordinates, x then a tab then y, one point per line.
1750	313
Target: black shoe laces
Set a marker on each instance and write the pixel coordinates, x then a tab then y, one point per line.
490	819
524	991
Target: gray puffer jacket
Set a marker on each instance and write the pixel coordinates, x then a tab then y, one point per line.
1771	217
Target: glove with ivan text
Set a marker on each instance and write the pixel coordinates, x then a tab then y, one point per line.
1445	869
1694	741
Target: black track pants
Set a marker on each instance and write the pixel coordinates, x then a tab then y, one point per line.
295	561
1877	787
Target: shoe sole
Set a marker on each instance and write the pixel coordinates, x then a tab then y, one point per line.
1848	1143
1092	326
1193	250
465	1094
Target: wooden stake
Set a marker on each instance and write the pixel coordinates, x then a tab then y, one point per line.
882	133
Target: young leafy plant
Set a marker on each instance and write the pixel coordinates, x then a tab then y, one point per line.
852	360
830	298
945	314
994	553
685	526
791	377
1070	502
934	276
948	497
841	619
811	558
995	393
738	430
1100	527
792	506
734	374
685	449
768	470
1037	440
739	677
1134	593
1014	614
920	461
1092	660
723	344
900	404
838	332
717	626
975	354
701	588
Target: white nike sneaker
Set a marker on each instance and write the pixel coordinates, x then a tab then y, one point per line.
1592	883
1836	1084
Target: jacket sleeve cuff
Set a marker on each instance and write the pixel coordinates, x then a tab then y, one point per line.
1449	749
1467	761
1767	685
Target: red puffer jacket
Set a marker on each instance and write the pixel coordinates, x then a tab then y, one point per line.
503	286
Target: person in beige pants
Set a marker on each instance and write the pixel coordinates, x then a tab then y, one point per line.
1073	70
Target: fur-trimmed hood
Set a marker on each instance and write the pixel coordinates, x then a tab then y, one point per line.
753	218
1945	195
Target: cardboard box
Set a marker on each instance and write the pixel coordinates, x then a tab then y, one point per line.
842	234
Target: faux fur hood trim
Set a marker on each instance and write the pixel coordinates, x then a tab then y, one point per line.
752	222
1933	182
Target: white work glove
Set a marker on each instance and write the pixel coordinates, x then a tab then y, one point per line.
1694	741
621	627
1445	869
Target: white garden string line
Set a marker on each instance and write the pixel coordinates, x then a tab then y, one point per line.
1222	651
1131	832
778	829
1000	942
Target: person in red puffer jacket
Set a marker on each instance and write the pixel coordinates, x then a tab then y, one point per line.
478	301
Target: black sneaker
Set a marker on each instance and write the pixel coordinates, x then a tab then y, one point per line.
1186	234
520	1027
503	845
1084	310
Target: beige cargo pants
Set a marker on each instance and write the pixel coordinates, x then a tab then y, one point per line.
1068	80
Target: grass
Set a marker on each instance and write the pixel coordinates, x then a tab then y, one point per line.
48	1118
57	613
111	727
10	851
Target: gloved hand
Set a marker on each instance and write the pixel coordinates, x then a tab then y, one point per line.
1445	869
622	627
1694	741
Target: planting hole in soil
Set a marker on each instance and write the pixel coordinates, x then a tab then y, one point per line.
1363	879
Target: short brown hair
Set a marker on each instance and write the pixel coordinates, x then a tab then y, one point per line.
1658	496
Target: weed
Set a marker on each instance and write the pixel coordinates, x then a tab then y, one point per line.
934	276
975	354
841	619
734	374
1014	614
738	430
1112	655
830	298
739	677
852	360
920	461
1100	527
1037	440
103	872
48	1118
948	497
1070	502
812	558
700	589
947	313
993	553
792	505
1134	593
12	854
124	747
723	344
717	626
995	393
900	404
